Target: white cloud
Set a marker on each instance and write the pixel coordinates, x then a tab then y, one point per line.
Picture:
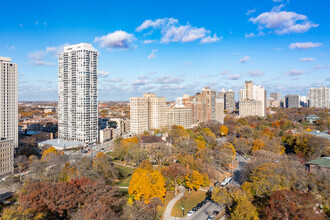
114	80
167	80
307	59
149	41
256	73
103	74
283	22
245	59
304	45
117	40
172	31
250	35
250	11
139	83
156	24
152	55
295	72
210	39
234	77
37	58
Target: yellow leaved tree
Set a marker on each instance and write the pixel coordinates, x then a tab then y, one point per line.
50	152
223	130
147	184
194	180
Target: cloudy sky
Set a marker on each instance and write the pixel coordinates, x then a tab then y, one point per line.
171	47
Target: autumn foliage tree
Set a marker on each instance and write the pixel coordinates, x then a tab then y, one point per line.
287	204
50	152
238	202
175	175
63	199
146	184
223	130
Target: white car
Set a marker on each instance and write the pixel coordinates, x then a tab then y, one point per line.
190	213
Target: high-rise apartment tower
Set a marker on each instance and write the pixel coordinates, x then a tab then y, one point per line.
77	94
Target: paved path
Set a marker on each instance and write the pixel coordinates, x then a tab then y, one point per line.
169	207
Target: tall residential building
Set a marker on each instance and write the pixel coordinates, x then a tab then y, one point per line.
292	101
318	97
6	157
250	108
255	97
77	94
179	115
241	94
248	89
229	100
9	100
8	114
139	114
276	96
147	113
219	106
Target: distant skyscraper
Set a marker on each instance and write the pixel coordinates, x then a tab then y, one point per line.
229	99
77	93
276	96
318	97
8	114
147	113
248	88
254	101
9	100
241	94
292	101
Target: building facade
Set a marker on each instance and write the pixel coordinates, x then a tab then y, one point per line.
292	101
318	97
77	94
6	157
179	115
254	102
9	100
147	113
276	96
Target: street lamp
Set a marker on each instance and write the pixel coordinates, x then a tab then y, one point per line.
182	210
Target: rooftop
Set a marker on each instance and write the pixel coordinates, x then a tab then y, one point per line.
323	162
61	144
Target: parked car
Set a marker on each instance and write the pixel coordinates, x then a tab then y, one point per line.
190	213
217	183
210	217
194	209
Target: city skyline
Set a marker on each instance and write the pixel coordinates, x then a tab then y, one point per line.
171	51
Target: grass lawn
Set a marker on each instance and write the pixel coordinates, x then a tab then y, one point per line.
168	197
126	171
189	202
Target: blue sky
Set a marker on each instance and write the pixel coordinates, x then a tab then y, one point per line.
171	47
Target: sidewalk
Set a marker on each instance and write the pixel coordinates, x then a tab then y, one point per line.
169	207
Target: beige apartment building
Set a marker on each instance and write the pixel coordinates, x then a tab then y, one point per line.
250	108
179	115
6	157
147	113
252	100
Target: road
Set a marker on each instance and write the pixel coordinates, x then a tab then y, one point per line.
209	207
205	211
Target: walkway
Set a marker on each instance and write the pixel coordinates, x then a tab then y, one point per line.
169	207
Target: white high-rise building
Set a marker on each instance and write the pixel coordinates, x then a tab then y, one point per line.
9	100
8	114
77	94
318	97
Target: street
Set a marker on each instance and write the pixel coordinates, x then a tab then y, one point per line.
209	207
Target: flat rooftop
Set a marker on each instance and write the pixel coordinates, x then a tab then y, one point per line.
61	143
